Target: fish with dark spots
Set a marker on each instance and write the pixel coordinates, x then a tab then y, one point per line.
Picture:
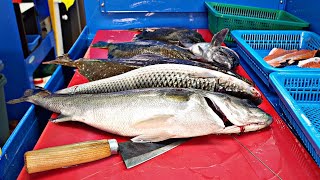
170	35
94	69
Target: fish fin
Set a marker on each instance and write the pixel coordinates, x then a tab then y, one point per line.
61	118
101	44
147	138
185	44
174	42
28	93
19	100
201	50
153	122
202	75
62	60
162	121
219	37
178	97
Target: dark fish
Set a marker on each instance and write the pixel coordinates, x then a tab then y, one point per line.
214	53
170	35
93	69
130	49
150	59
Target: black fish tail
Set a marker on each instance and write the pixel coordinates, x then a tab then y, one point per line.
28	94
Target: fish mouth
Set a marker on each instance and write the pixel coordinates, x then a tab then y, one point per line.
231	128
236	127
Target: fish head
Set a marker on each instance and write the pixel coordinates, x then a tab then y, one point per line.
222	56
237	87
255	95
238	115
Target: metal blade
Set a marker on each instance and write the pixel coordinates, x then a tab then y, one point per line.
137	153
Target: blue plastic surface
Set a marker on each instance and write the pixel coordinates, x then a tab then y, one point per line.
33	41
111	14
173	6
300	100
1	65
18	69
306	10
26	134
254	45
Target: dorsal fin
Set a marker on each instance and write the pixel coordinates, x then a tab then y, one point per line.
219	37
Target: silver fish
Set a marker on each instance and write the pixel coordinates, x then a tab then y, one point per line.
170	75
153	115
213	52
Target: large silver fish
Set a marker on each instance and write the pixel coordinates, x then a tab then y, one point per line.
153	115
170	75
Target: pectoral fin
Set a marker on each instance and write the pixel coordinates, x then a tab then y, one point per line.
154	122
219	37
203	75
159	124
62	118
147	138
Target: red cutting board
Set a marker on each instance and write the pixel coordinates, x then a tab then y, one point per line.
271	153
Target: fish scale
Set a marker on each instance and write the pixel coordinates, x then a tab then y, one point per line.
170	75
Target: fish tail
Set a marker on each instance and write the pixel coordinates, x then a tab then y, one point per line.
30	93
101	44
62	60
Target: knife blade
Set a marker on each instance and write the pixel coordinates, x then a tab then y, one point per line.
132	154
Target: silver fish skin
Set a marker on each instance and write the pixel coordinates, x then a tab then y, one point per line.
152	115
170	75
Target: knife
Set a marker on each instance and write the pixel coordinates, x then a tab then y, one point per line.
68	155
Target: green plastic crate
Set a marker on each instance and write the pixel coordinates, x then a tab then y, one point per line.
236	17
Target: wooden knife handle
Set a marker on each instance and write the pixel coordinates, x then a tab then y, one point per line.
67	155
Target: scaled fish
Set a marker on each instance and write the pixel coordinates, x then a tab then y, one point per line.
170	75
154	115
170	35
94	69
218	55
130	49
